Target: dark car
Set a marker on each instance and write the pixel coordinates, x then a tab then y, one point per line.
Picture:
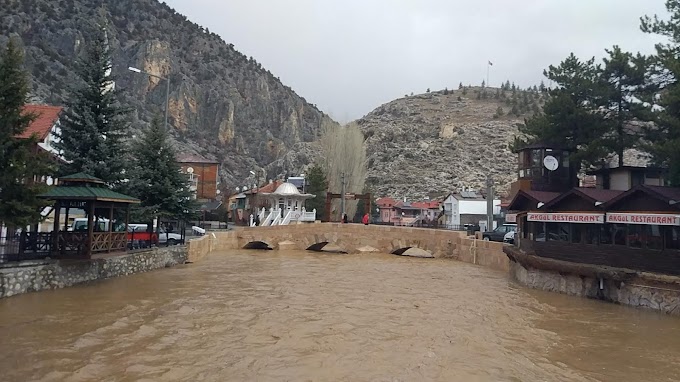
499	233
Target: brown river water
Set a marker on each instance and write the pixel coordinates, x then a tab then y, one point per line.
298	316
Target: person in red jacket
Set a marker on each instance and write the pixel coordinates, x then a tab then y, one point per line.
365	219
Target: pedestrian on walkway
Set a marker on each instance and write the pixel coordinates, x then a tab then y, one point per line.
365	219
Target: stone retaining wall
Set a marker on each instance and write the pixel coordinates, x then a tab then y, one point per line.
53	274
626	287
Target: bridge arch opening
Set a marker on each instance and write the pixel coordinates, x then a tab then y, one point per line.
258	245
326	247
413	252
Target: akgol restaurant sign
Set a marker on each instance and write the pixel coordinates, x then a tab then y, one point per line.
565	217
654	219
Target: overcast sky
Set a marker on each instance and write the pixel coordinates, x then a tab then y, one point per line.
351	56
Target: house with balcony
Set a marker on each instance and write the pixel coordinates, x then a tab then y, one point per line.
202	173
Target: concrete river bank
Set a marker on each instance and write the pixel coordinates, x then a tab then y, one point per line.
273	316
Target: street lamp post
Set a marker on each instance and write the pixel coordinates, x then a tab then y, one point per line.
167	90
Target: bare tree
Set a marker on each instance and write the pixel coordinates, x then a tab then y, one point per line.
343	151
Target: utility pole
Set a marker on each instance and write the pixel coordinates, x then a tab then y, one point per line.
342	197
489	203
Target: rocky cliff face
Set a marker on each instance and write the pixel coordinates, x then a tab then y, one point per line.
435	143
223	105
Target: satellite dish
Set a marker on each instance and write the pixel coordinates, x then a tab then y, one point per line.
190	170
551	163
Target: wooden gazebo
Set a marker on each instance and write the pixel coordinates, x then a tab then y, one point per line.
83	191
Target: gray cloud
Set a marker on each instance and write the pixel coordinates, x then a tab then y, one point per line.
350	56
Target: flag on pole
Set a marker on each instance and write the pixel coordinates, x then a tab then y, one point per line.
490	63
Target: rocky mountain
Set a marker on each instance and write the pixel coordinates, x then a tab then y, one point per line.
223	105
438	142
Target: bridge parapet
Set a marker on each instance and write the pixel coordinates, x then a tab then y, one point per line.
351	238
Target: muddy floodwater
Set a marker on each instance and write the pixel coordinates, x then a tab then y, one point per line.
298	316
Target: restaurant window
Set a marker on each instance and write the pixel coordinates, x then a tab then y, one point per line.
591	233
538	230
651	237
557	231
535	158
618	232
607	233
635	233
672	237
577	233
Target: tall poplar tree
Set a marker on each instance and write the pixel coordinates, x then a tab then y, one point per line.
20	162
94	125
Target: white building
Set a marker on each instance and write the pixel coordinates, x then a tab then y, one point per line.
467	207
287	207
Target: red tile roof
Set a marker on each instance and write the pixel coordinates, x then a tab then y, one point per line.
426	205
599	195
46	117
193	158
385	202
269	187
542	196
670	193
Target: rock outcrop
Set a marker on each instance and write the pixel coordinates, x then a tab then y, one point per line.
223	105
439	142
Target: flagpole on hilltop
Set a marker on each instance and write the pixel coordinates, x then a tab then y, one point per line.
488	66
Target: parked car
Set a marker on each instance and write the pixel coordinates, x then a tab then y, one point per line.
499	233
509	237
168	238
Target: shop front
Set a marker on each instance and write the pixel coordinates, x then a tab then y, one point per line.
638	229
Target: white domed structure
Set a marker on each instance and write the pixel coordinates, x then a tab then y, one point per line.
287	189
287	204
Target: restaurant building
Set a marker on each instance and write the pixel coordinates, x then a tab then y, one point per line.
629	220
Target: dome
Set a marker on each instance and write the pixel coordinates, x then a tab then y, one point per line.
287	189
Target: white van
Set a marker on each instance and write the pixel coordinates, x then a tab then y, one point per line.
80	224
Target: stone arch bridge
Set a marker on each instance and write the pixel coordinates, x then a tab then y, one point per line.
354	238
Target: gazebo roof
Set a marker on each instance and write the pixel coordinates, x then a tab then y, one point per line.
85	187
87	193
81	177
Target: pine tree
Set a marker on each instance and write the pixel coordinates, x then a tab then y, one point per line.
541	87
428	90
460	86
156	179
507	85
569	117
483	84
94	126
664	136
20	164
513	88
622	77
318	186
446	91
